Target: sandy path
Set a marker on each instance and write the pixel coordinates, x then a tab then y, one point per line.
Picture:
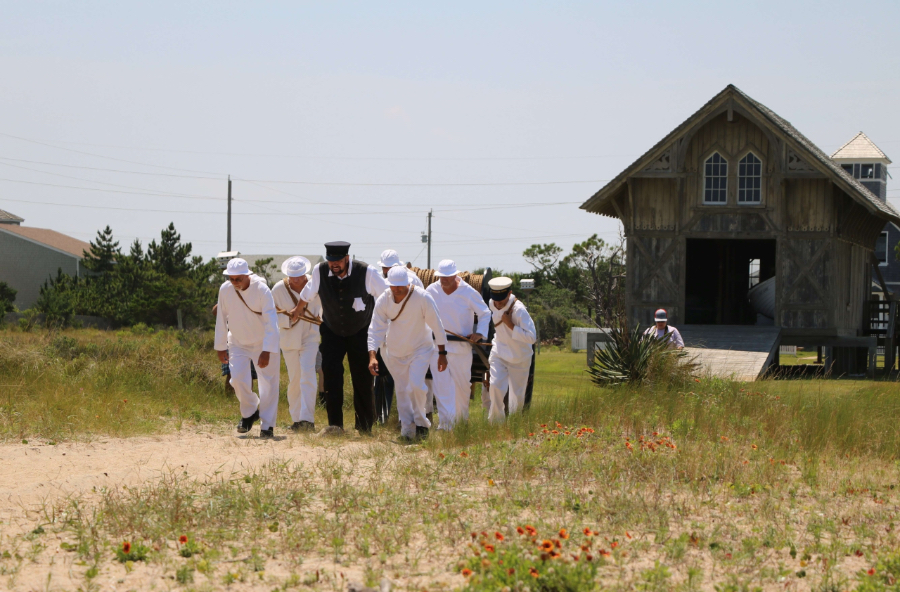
37	473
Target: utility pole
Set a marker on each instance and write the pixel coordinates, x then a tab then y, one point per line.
429	239
228	243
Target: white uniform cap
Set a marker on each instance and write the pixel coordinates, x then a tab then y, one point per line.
296	266
446	268
499	284
237	266
398	276
390	258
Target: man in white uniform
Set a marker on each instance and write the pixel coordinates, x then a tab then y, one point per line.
663	330
247	330
458	304
299	342
511	350
402	323
390	258
384	382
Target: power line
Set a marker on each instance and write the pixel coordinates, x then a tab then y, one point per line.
351	184
73	166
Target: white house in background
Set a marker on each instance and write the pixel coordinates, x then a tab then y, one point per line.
865	161
30	256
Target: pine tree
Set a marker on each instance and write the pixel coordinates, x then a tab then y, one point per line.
103	253
170	256
137	252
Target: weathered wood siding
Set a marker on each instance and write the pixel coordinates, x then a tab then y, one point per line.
824	238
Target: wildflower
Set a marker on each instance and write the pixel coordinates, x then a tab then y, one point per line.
559	425
724	438
605	553
567	433
511	571
126	547
543	425
655	433
557	543
727	555
520	530
563	533
554	554
484	534
464	454
546	431
498	536
466	572
753	446
858	553
555	432
547	545
871	571
531	530
474	535
589	557
183	539
587	531
489	548
124	400
533	572
530	433
628	446
696	380
627	534
613	545
441	454
590	430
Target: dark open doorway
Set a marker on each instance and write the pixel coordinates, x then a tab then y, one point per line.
719	274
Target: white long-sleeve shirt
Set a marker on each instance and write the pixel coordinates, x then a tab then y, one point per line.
458	311
513	345
411	332
301	334
375	284
670	332
239	326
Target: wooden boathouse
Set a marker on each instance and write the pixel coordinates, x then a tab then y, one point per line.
736	196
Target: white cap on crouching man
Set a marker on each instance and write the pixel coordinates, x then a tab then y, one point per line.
446	268
398	276
296	266
390	258
237	266
661	316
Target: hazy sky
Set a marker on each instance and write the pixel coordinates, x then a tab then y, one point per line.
464	106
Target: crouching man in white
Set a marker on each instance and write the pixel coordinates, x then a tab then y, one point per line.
247	329
299	342
511	351
458	304
402	323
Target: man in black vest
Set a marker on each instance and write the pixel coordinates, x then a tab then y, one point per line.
347	290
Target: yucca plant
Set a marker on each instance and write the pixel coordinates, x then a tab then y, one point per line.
634	357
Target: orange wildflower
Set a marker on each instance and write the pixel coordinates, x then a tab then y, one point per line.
589	557
531	530
557	543
563	533
474	535
499	536
567	433
489	548
543	425
182	539
613	545
126	547
547	545
555	432
533	572
520	530
466	572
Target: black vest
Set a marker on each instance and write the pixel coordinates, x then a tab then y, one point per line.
337	298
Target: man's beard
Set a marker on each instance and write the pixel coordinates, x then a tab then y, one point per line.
341	268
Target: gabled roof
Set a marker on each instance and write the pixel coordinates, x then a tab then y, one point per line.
7	218
50	238
860	147
599	202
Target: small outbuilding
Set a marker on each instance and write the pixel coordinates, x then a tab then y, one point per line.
31	256
736	196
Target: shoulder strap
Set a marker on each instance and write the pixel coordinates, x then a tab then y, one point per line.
238	292
405	300
289	291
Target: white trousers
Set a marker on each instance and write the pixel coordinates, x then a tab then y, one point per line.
507	375
267	402
410	389
301	391
451	388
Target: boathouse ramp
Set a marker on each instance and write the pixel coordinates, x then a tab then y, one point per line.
737	352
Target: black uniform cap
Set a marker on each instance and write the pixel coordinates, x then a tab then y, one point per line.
337	250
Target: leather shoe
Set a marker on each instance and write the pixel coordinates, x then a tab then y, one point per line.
269	433
246	423
303	426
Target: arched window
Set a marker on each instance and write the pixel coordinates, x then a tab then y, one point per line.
749	180
715	176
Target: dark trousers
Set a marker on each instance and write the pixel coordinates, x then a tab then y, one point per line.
334	347
384	391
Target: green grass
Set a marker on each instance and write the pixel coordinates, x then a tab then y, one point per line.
717	486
